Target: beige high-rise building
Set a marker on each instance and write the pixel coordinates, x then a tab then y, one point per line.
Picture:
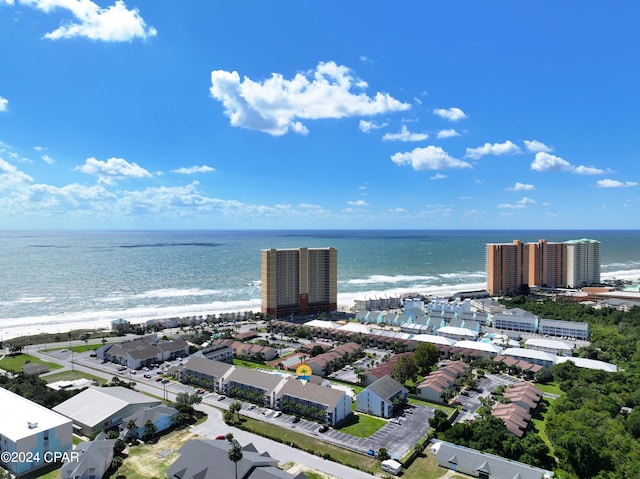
548	264
572	264
299	281
507	267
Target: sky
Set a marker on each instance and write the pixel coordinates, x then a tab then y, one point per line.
164	114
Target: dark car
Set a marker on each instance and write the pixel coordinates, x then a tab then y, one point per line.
323	428
296	419
220	438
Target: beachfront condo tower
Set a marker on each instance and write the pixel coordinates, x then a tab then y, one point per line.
510	266
299	281
507	267
547	264
583	257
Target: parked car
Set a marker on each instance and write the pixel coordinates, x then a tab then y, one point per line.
221	397
251	406
199	391
220	438
296	419
277	414
323	428
158	379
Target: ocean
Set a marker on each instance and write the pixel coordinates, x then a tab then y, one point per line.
56	281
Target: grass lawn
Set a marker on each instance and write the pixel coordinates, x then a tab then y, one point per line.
420	402
310	444
85	347
550	388
15	363
425	467
72	376
251	365
361	425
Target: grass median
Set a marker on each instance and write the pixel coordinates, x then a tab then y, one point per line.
310	445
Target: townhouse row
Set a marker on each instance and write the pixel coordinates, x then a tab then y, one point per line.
278	391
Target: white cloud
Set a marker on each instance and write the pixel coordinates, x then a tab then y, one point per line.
428	158
506	148
113	168
357	203
520	187
588	170
194	169
10	176
111	24
368	126
447	133
518	204
536	146
546	162
451	114
438	176
47	159
4	104
73	195
275	105
405	135
609	183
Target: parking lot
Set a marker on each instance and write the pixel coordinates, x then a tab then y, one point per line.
470	402
398	437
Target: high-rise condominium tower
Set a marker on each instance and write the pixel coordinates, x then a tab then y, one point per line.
299	281
572	264
547	264
507	267
583	262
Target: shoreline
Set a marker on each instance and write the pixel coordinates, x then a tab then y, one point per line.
64	322
100	320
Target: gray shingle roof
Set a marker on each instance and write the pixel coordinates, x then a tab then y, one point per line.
312	392
386	387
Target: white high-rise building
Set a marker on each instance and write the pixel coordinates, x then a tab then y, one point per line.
583	262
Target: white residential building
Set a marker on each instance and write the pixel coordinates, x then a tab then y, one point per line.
31	430
583	262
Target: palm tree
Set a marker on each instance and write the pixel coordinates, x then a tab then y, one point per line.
235	454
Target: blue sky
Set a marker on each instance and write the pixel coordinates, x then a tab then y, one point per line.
289	114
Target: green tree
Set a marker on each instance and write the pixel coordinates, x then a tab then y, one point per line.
116	463
426	356
235	455
234	408
149	430
404	369
227	417
317	349
383	454
633	423
119	446
440	421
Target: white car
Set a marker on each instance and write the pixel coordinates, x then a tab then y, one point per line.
277	414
